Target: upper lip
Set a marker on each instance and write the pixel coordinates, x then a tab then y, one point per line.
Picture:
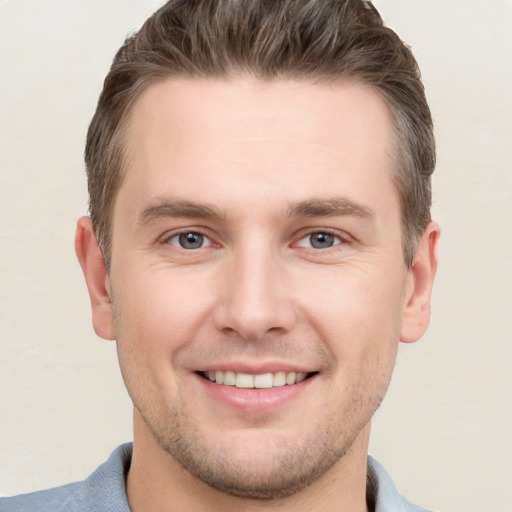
255	368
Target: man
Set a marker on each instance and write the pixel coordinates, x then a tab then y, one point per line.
259	242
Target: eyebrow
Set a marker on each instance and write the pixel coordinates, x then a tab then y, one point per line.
177	208
335	206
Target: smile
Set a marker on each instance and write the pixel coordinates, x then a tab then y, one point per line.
261	381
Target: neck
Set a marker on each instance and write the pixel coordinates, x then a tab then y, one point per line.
158	483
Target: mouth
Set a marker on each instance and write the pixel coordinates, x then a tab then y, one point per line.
260	381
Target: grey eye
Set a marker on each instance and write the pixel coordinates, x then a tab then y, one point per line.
189	241
322	240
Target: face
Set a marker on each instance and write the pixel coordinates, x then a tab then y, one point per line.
258	283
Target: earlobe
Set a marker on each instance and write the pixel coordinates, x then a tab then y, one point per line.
416	315
95	273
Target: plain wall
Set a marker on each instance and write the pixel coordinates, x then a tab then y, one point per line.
444	430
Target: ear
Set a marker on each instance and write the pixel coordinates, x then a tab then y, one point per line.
416	315
95	273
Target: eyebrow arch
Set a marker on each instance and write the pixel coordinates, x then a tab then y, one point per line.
335	206
177	208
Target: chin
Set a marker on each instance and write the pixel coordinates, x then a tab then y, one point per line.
258	465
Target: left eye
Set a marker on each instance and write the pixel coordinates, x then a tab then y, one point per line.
190	240
319	240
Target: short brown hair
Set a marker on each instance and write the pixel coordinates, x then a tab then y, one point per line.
317	40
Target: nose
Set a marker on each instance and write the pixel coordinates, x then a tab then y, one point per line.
254	300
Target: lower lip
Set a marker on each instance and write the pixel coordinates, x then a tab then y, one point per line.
255	401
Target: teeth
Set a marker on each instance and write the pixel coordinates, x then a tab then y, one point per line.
261	381
290	378
264	380
244	380
229	378
279	379
301	377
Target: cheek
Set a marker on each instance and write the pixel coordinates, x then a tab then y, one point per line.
153	324
358	318
161	311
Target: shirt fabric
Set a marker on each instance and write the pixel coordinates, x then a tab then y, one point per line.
105	491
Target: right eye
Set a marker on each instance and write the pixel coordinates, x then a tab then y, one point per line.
190	240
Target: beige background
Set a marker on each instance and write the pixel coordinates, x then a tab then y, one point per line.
444	429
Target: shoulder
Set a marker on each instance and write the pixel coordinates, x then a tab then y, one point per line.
382	492
103	490
63	498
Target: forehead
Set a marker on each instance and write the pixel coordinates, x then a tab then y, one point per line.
257	137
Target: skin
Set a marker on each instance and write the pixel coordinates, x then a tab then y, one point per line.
256	168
